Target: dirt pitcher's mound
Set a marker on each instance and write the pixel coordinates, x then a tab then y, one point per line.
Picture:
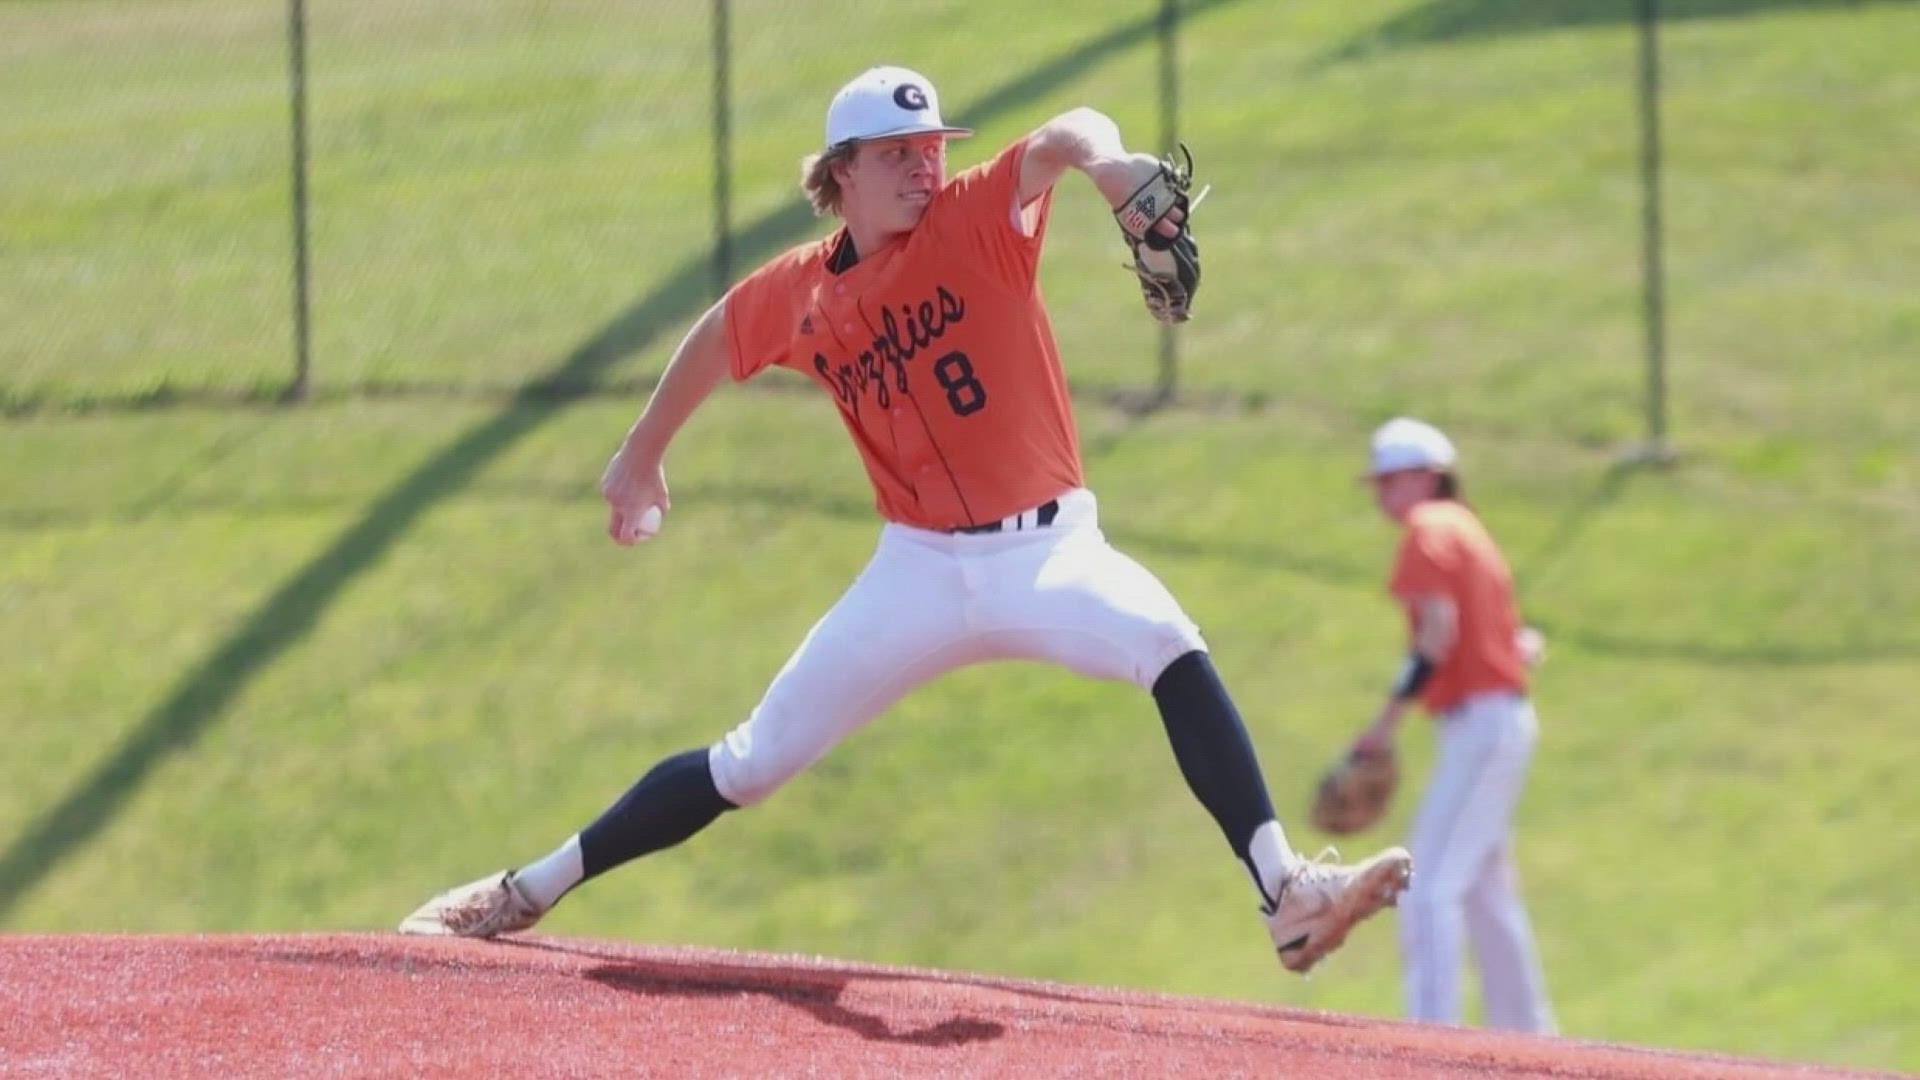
383	1005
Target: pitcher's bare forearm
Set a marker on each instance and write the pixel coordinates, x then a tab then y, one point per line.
1089	141
698	367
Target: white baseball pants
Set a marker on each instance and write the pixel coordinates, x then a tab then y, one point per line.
931	602
1465	882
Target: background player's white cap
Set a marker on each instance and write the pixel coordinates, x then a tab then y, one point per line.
883	102
1404	443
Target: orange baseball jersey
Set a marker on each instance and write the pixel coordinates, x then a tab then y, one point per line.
1448	552
937	348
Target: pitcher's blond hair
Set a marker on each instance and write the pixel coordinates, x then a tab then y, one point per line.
818	181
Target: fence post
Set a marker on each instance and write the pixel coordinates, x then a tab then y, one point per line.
302	333
1169	134
722	149
1656	450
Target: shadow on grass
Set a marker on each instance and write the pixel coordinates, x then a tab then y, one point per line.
1440	22
1759	653
289	614
1551	556
1264	555
1545	560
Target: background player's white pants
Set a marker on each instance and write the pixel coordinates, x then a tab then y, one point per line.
931	602
1465	880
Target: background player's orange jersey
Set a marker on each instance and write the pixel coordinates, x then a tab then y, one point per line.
1448	552
937	349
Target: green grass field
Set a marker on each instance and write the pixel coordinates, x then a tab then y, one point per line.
293	669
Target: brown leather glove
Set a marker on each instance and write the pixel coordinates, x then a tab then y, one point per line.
1355	793
1168	266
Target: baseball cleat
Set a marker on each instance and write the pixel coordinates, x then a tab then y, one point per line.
1323	900
492	906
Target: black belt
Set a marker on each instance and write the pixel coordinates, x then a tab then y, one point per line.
1043	517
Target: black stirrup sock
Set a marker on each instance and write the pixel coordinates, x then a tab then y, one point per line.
669	804
1212	746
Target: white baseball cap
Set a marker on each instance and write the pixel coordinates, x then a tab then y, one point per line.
883	102
1403	443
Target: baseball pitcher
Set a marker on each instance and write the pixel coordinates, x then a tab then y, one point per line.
1468	666
921	316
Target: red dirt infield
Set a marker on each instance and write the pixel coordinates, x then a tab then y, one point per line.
382	1005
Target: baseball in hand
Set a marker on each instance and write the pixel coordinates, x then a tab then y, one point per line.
649	523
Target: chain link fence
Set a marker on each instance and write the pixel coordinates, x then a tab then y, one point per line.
1443	202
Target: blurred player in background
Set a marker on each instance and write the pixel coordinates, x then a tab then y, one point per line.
922	317
1468	666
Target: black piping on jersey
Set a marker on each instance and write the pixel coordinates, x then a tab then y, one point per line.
861	306
893	431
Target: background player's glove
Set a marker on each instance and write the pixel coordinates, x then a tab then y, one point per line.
1168	266
1356	792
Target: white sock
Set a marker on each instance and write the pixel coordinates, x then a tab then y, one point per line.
1272	860
546	881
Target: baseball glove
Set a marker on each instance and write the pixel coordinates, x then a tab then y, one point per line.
1355	793
1168	266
